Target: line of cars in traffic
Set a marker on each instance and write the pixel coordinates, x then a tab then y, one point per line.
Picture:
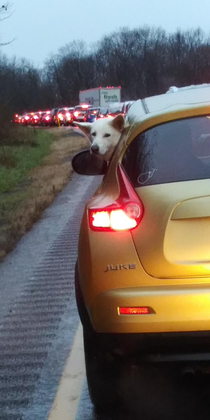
69	115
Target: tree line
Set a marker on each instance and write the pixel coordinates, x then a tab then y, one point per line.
143	61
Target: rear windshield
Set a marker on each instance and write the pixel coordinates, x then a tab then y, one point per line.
115	109
104	111
93	111
170	152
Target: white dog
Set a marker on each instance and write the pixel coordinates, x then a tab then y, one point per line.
103	134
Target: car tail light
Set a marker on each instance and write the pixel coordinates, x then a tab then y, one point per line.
101	116
68	114
76	113
47	118
137	310
60	115
124	214
26	117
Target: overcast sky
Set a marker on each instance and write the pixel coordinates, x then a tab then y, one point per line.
41	27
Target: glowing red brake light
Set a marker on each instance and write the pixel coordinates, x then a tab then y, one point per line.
139	310
116	219
124	214
76	113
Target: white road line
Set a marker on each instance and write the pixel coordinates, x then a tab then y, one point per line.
71	383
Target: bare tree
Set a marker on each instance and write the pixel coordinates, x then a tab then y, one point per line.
6	13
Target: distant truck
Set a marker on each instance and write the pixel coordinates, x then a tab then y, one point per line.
102	96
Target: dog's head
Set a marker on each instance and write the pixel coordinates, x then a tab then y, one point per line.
104	135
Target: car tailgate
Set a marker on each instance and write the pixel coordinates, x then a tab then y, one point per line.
173	239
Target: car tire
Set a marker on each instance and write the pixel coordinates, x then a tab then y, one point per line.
101	369
102	373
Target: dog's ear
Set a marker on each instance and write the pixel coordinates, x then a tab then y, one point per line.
118	123
85	127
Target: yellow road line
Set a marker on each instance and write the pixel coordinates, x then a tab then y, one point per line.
70	386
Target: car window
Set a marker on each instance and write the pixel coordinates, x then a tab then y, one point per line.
93	111
116	109
104	111
170	152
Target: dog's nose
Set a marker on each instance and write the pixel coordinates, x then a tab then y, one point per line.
94	149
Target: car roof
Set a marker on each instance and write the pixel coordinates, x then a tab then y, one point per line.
174	100
94	107
82	106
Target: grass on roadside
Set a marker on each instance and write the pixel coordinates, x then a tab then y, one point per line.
17	160
30	177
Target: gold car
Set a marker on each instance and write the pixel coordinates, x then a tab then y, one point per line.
143	271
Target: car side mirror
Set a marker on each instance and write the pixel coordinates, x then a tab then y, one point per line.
86	163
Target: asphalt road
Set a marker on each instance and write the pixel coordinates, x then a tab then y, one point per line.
38	315
39	323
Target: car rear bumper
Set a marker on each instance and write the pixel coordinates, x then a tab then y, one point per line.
79	119
183	348
175	309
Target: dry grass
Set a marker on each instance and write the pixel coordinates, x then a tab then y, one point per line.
46	181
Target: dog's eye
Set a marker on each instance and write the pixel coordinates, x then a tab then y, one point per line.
107	135
93	134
